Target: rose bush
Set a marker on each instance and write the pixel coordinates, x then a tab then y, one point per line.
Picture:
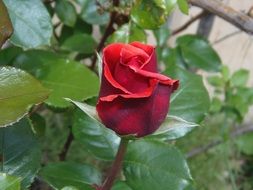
48	84
134	97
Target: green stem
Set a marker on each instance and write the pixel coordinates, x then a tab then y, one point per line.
116	166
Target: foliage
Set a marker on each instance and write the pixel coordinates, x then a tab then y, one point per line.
50	134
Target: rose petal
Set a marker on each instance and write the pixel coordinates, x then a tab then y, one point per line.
151	63
111	54
111	80
111	58
147	48
162	78
136	116
129	51
106	88
124	80
129	79
144	94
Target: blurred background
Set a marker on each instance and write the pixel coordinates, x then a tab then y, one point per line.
218	165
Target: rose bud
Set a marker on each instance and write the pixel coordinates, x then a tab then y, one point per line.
134	98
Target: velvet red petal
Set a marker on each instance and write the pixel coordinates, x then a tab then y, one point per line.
111	80
144	94
129	79
111	54
129	51
147	48
151	63
106	88
161	78
138	117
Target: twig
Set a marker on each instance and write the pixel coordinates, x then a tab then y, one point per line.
35	109
57	25
227	36
108	31
232	33
238	19
188	23
63	153
101	7
205	148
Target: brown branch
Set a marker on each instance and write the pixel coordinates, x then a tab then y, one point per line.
238	19
202	149
108	31
63	153
250	13
35	109
227	36
188	23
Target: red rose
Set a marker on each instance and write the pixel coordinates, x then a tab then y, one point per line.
134	98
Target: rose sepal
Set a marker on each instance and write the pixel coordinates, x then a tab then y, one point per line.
92	113
172	128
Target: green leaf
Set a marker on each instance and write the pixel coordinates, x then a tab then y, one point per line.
7	55
91	15
173	128
247	94
5	23
245	142
79	28
183	6
150	14
225	73
216	105
65	78
216	81
168	5
18	92
100	141
86	108
69	188
81	43
198	53
120	185
150	165
238	102
162	34
240	77
30	21
8	182
128	33
66	12
20	152
191	100
172	57
61	174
